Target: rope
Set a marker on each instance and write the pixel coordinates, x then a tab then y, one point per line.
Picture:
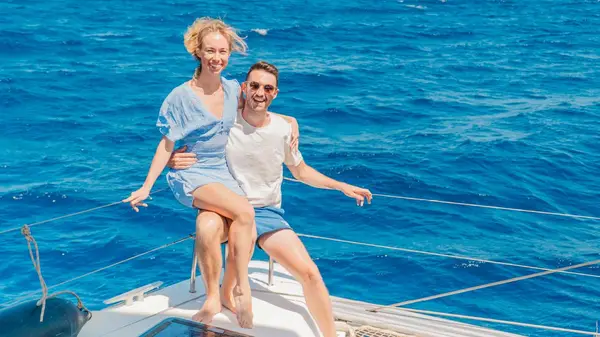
71	214
488	285
459	257
80	304
490	207
26	231
491	320
189	236
475	205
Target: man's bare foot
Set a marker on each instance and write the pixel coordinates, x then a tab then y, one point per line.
227	299
243	306
210	308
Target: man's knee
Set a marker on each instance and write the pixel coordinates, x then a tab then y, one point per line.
310	274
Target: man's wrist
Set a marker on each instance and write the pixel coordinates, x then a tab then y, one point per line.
338	185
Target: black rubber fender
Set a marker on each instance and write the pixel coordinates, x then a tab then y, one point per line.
62	318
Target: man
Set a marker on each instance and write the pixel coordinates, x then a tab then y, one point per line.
259	143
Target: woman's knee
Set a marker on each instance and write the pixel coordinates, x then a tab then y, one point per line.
209	226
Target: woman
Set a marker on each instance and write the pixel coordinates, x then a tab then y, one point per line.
199	113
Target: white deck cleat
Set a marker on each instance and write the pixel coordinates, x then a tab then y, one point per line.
134	295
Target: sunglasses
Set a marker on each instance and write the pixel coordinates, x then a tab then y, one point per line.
269	89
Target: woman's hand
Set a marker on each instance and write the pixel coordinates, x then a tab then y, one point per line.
136	198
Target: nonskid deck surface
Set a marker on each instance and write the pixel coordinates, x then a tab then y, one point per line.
279	311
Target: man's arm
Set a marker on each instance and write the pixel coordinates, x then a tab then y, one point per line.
312	177
181	160
288	119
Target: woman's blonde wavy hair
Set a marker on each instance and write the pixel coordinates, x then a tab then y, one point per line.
192	38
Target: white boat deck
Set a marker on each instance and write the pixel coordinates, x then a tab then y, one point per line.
279	311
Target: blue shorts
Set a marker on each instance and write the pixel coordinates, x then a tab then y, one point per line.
268	220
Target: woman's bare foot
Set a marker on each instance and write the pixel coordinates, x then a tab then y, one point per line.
210	308
243	306
227	299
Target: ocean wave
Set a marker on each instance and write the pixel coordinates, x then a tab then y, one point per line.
110	34
260	31
416	6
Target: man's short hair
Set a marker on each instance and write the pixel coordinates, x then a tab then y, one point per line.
265	66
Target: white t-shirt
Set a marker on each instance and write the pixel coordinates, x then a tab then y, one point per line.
255	157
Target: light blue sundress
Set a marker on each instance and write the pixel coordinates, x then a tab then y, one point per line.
184	119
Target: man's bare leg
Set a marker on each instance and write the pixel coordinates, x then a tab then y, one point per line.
286	248
210	232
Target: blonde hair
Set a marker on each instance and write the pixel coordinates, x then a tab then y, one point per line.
192	39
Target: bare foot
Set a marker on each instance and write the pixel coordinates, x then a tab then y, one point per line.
227	300
210	308
243	306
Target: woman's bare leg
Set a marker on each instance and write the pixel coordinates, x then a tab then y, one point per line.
211	230
229	278
218	198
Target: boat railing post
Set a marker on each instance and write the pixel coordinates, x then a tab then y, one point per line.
194	267
271	267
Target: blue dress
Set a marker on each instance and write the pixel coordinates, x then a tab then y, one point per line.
184	119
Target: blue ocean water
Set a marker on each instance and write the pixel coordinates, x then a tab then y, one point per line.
488	102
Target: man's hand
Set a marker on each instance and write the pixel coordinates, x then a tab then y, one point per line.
181	160
357	193
295	139
241	100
